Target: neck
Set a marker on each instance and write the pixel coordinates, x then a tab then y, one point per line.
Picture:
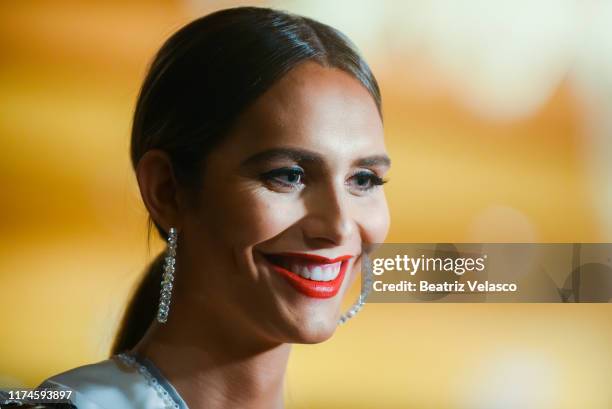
214	363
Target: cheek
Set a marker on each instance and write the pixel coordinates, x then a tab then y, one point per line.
251	216
374	220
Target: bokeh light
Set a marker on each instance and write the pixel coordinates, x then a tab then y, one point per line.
498	118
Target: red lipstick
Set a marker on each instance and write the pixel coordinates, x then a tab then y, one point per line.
307	286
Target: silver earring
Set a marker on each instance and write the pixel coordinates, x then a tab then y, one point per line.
366	285
168	277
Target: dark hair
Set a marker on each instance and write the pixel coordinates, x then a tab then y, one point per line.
201	79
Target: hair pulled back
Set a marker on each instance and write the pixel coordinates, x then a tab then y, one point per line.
201	79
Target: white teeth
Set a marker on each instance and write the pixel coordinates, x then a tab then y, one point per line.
325	272
317	274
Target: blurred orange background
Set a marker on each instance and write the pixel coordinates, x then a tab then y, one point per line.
498	118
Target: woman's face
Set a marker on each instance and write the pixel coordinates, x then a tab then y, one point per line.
289	198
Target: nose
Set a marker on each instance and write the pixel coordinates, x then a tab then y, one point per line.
328	221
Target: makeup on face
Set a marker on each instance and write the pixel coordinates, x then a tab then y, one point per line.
290	197
310	274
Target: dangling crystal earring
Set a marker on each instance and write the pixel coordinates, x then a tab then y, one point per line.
168	277
366	285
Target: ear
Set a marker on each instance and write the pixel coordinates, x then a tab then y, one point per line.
158	188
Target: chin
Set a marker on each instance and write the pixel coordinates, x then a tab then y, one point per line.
314	331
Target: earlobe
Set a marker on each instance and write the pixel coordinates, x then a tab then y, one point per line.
158	187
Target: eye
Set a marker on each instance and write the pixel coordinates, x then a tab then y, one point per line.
364	181
286	178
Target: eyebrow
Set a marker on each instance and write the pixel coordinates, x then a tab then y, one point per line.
306	156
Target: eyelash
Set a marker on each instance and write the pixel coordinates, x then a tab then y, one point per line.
272	177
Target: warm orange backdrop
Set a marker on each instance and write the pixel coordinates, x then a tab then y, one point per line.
475	158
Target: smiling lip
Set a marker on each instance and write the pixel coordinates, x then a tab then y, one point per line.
312	288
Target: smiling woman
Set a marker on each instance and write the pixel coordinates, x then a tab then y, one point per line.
259	152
